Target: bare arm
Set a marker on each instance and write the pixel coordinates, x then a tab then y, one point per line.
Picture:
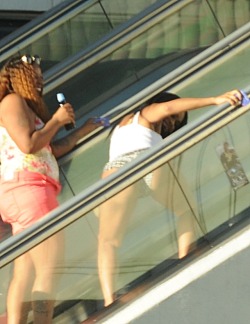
158	111
67	143
19	121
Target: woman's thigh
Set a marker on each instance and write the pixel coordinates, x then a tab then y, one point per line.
115	212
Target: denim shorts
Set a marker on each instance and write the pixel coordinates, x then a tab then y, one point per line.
145	184
27	197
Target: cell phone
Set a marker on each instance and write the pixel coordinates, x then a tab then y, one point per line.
104	120
245	100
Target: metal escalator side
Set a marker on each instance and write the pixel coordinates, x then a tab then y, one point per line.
161	37
81	262
70	27
199	77
194	86
188	87
150	244
217	210
211	176
97	80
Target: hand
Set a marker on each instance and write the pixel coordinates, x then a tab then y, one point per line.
89	126
233	97
65	114
65	144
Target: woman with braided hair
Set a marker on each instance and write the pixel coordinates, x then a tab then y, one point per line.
30	181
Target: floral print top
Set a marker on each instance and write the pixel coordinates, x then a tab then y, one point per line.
14	160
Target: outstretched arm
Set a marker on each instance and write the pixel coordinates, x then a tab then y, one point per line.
158	111
66	144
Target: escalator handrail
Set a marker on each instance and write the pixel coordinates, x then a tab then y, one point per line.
177	138
166	82
169	81
42	24
103	189
97	51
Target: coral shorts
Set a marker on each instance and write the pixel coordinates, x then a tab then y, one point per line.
26	198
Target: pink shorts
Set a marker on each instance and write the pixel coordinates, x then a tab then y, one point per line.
27	197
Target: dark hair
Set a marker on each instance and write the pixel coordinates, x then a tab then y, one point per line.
171	123
162	97
174	122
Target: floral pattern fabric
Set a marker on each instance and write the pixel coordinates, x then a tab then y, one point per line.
14	160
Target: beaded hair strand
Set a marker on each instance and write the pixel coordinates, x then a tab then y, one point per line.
4	84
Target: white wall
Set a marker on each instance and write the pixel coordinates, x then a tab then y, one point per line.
28	5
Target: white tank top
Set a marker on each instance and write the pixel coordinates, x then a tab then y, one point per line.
132	137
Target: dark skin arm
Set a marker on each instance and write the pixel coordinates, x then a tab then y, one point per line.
19	121
64	145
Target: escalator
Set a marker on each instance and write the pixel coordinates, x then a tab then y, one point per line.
83	43
81	265
11	21
97	149
150	244
191	156
70	27
167	289
100	78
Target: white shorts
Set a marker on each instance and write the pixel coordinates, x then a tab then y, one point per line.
145	184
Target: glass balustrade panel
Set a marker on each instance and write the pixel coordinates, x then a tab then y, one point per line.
164	46
192	199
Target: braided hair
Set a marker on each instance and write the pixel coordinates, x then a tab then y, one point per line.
20	77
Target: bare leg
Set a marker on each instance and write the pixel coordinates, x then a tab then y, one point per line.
18	304
185	233
167	192
114	217
45	258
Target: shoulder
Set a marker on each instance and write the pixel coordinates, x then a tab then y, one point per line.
13	105
13	102
12	98
157	111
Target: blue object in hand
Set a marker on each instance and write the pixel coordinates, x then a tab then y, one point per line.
245	100
104	120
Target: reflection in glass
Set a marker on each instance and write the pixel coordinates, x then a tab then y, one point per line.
82	29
